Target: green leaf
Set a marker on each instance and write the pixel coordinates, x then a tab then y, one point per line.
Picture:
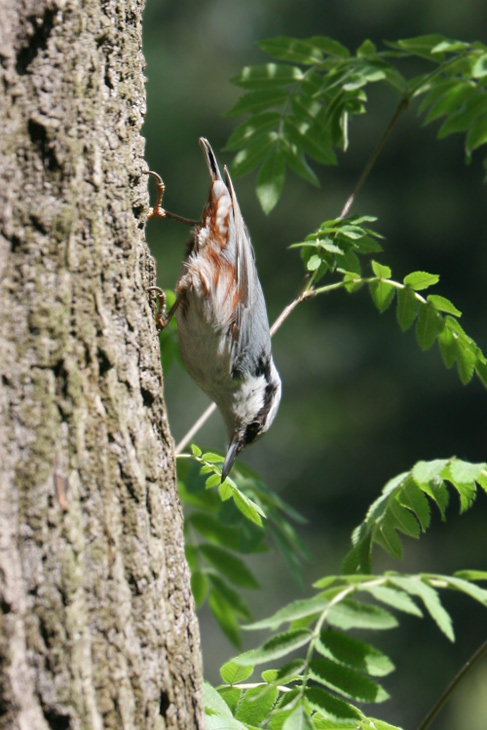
422	45
419	280
257	101
471	574
354	653
191	556
351	614
443	305
413	498
252	128
199	587
446	96
331	707
310	138
213	481
330	46
216	722
232	673
278	646
250	509
196	450
429	326
224	613
477	135
213	529
466	361
373	722
416	587
293	611
383	272
267	76
214	703
256	705
463	119
366	244
424	472
367	48
465	472
448	346
386	535
229	565
298	720
382	294
294	157
284	675
447	46
213	458
231	697
293	49
313	263
235	600
460	584
479	70
253	154
225	490
270	180
463	475
394	598
346	681
359	558
404	521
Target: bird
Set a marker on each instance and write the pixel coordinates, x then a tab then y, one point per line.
222	324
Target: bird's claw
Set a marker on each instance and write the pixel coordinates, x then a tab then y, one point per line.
161	319
157	211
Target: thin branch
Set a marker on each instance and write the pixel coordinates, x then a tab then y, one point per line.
195	428
445	696
306	290
401	108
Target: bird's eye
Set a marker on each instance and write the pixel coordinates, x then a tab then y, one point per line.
252	431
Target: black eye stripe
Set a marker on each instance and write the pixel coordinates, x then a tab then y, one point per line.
254	429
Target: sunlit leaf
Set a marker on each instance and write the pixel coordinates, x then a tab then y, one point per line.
350	614
278	646
267	76
229	565
354	653
253	127
429	326
419	280
255	705
232	673
346	681
270	180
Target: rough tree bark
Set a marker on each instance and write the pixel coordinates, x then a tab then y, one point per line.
97	625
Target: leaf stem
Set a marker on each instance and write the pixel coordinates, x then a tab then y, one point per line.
445	696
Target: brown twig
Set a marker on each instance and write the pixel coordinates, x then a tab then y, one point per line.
445	696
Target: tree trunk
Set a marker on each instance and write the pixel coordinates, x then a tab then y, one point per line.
97	623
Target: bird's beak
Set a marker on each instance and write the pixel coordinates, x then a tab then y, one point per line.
232	453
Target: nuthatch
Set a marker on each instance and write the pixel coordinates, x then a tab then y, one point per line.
223	329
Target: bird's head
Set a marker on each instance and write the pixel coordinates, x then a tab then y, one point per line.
254	406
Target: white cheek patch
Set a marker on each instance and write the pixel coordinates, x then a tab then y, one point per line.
249	398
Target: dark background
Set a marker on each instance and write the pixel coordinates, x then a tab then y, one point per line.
361	403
